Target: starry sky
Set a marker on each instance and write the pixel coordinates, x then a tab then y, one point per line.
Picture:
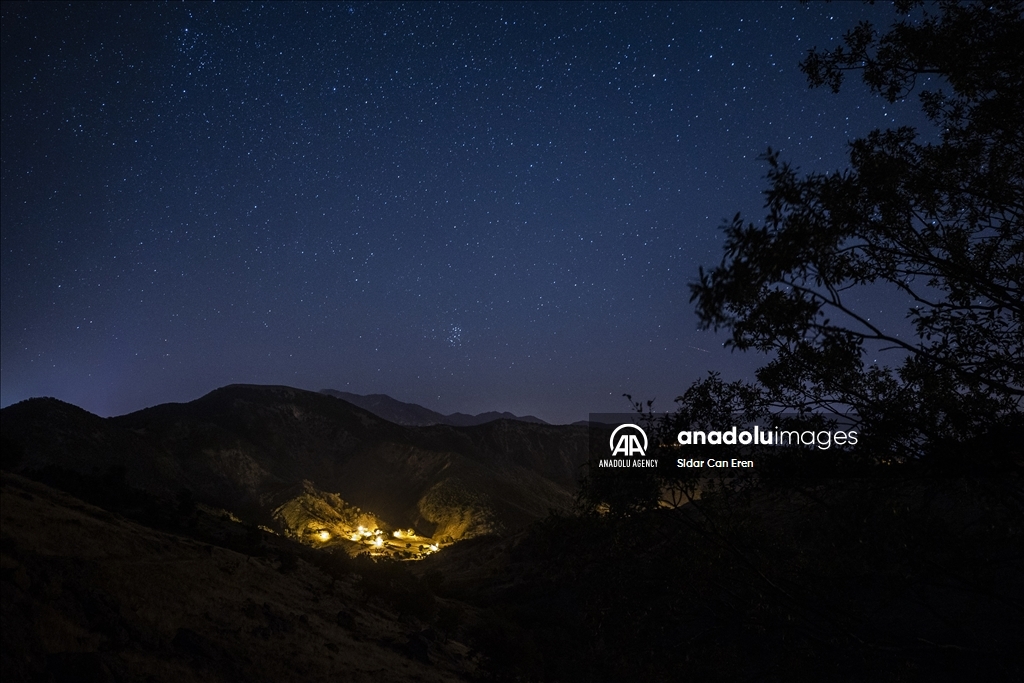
471	206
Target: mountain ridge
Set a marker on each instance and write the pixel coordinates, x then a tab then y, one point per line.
241	446
415	415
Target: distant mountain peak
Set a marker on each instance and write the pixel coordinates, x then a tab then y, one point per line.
415	415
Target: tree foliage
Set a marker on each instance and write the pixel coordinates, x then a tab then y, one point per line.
938	218
846	575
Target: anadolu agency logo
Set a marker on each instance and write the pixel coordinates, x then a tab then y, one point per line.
628	444
627	447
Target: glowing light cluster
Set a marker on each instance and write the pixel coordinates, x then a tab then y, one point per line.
401	543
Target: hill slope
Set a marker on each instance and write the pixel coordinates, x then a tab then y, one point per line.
91	596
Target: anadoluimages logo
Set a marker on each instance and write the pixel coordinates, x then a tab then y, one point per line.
625	440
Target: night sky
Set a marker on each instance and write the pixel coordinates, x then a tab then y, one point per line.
468	206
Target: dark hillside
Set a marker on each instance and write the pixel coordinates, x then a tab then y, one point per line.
243	447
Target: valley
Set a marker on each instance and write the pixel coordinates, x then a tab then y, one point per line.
301	463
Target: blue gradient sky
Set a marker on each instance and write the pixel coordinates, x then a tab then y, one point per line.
469	206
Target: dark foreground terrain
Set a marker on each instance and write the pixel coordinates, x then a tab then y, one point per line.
111	573
92	596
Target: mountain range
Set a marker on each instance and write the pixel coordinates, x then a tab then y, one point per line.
245	535
305	463
413	415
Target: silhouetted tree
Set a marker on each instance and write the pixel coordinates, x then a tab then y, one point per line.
938	218
808	577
